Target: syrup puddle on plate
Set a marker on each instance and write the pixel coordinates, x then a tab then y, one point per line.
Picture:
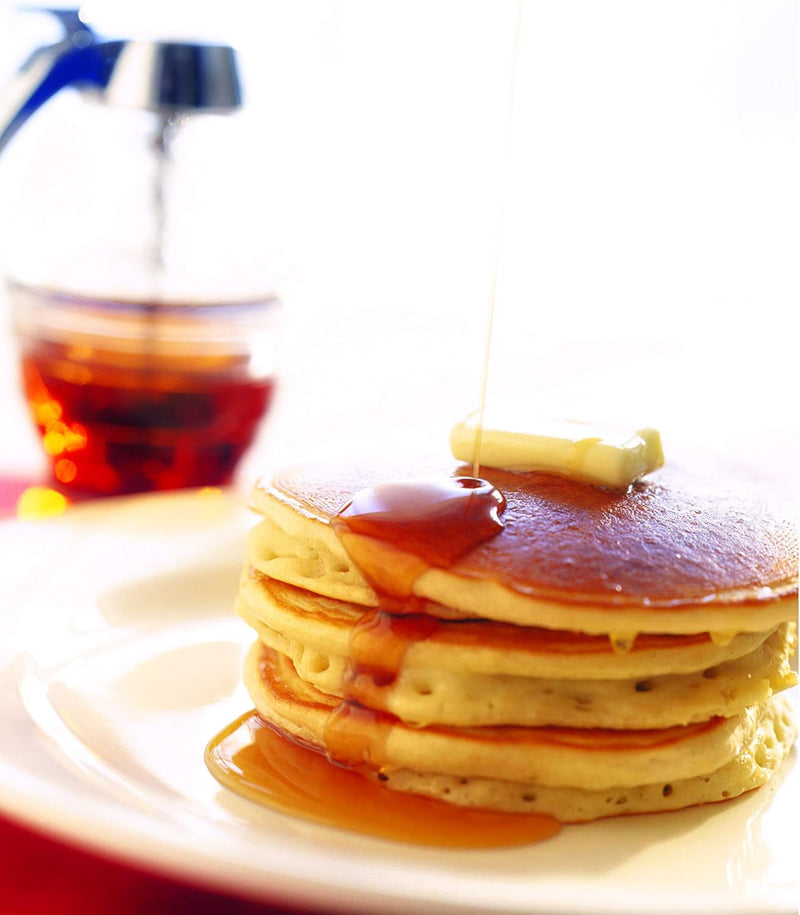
254	760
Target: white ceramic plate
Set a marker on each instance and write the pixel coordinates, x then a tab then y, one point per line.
119	659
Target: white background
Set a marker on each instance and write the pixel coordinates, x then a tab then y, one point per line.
648	253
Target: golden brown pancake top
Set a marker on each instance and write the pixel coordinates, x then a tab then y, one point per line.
677	537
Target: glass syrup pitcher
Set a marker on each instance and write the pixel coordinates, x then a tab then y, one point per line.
133	249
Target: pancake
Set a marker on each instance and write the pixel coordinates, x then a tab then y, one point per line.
421	696
751	768
580	763
485	646
601	653
682	553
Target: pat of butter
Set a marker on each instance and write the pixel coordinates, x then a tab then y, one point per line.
603	455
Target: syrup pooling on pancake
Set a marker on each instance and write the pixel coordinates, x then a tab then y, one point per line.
396	531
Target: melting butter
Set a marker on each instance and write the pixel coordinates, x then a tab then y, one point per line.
603	455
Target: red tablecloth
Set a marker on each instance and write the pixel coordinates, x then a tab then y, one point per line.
40	876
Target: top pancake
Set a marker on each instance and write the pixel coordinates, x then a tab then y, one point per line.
677	540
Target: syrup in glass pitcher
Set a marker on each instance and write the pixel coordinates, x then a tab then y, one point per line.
137	261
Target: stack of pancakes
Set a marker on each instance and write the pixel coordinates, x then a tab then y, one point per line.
604	653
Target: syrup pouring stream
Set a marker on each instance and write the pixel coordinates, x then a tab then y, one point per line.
499	238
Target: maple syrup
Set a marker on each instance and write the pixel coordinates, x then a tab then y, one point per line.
130	397
396	531
111	430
